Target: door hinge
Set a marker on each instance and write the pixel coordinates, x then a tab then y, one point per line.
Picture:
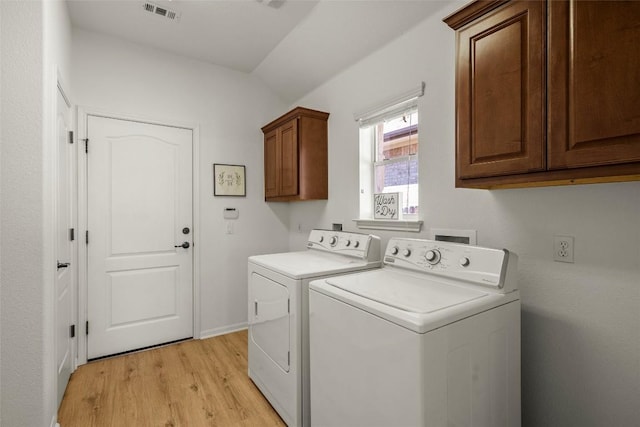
72	331
289	358
86	145
86	237
87	327
72	234
70	137
289	306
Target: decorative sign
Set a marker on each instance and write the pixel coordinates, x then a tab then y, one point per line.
386	205
229	180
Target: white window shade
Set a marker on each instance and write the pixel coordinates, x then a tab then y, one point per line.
391	107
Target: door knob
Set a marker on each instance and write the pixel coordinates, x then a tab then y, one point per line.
63	265
185	245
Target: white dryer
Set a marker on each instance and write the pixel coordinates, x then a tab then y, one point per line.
430	339
278	313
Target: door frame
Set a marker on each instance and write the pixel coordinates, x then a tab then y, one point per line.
83	114
56	84
60	87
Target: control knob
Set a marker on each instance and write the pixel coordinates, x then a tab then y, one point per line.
395	250
464	261
321	239
432	256
356	244
333	241
406	252
347	243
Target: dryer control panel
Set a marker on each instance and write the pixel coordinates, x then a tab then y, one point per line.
363	246
488	267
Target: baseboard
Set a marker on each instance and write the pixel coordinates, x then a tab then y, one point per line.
210	333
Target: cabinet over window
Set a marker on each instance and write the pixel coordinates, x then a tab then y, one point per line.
295	156
547	93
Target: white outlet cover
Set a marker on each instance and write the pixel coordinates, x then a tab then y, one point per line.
563	248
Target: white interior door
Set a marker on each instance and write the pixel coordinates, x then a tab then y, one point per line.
64	278
139	185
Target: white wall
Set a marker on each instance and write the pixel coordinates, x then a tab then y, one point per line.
35	41
1	223
21	217
57	61
230	108
22	214
581	322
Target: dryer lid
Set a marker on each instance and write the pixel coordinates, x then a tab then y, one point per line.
411	293
311	263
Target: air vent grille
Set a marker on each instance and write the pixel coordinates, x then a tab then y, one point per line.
162	11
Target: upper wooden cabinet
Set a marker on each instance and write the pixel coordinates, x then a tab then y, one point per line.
295	156
528	114
594	83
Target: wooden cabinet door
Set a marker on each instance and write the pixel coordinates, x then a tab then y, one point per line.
271	164
500	92
594	83
288	138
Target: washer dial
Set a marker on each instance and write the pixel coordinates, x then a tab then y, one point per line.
432	256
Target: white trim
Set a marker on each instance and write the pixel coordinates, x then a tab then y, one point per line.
197	333
390	104
81	130
49	239
393	225
83	113
210	333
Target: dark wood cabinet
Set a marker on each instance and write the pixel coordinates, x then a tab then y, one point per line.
295	156
594	83
547	93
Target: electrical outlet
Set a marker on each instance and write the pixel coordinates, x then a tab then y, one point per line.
563	248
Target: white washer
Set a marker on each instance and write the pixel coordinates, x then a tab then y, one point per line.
430	339
278	313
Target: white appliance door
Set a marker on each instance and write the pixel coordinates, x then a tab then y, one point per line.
139	201
269	319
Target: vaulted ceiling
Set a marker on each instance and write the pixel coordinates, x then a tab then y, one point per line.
292	45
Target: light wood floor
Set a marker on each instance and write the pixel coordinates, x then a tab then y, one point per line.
193	383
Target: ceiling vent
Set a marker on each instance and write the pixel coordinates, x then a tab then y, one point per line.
161	11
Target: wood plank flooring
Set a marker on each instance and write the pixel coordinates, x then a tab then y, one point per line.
193	383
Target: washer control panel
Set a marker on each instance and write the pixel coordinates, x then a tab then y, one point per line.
485	266
363	246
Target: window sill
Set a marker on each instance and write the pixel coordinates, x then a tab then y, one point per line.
392	225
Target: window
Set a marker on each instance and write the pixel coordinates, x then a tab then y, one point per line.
389	160
395	161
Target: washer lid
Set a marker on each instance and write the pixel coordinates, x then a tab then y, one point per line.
414	294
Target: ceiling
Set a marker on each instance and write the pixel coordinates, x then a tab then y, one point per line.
292	45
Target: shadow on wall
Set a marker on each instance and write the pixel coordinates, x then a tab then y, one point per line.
281	211
559	385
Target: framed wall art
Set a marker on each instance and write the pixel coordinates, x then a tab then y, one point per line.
229	180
